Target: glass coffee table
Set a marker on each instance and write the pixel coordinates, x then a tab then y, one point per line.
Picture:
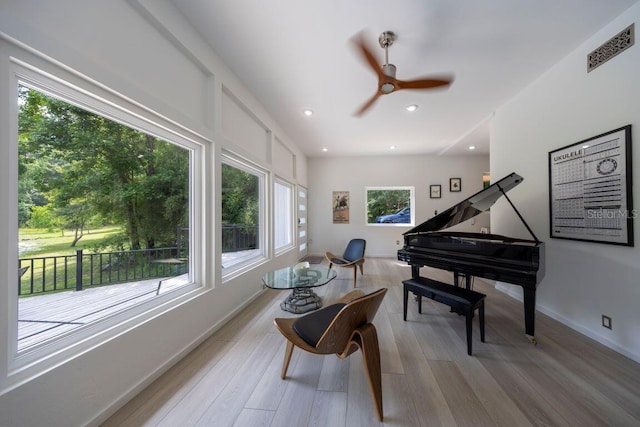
302	297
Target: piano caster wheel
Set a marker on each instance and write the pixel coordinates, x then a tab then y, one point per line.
532	339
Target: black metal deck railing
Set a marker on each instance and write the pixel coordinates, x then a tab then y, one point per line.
81	270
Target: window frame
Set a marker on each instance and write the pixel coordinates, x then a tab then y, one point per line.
231	159
76	89
291	220
412	207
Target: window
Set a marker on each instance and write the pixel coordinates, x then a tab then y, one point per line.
282	215
242	213
104	220
390	205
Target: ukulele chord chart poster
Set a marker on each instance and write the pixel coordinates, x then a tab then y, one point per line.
590	194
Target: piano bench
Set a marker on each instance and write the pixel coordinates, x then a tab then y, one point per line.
461	300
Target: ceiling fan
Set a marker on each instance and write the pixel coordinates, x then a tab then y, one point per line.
387	82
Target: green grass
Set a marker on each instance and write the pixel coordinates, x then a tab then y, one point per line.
55	243
49	274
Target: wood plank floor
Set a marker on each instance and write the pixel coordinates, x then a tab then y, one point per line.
233	378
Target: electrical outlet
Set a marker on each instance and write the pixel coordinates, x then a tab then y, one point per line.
606	322
397	242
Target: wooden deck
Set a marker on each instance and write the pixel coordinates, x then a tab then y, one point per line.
41	317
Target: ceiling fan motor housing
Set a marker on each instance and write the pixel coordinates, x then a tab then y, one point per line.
389	70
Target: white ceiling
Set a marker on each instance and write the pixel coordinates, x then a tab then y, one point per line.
296	54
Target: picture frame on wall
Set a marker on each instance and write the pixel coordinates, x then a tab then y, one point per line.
435	191
590	189
341	207
455	185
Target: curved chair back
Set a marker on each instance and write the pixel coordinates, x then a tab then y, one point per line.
356	313
355	249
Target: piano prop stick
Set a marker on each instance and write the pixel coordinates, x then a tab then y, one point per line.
490	256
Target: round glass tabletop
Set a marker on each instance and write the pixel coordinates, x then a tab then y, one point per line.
286	278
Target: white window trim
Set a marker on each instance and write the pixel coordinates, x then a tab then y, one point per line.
17	368
292	215
412	205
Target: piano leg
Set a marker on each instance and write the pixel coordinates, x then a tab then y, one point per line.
530	314
415	271
466	279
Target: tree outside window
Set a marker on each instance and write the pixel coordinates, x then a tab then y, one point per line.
242	189
99	204
390	205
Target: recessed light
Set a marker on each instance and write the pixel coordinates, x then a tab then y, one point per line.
393	147
472	147
325	149
411	108
308	112
585	146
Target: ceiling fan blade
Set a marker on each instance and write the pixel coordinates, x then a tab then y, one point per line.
367	104
367	54
423	83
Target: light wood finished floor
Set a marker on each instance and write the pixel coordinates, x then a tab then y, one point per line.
233	378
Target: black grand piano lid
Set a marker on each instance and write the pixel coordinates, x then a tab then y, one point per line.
470	207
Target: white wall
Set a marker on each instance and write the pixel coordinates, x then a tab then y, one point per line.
353	174
145	51
564	106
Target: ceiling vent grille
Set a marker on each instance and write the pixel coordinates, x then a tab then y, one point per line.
617	44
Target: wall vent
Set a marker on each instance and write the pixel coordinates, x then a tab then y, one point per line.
617	44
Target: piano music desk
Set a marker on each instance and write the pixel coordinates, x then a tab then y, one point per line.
461	300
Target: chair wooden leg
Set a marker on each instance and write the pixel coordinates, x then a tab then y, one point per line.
371	358
287	358
355	275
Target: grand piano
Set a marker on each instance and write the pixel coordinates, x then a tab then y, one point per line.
491	256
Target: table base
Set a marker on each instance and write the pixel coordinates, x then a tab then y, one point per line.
301	300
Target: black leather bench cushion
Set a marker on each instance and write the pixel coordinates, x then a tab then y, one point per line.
311	326
451	292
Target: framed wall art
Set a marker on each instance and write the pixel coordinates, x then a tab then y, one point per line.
435	191
455	185
590	189
341	207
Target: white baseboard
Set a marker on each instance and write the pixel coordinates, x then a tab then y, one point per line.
516	293
118	403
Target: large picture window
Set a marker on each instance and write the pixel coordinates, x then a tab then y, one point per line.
103	216
102	221
242	213
390	205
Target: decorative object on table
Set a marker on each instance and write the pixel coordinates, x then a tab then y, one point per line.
300	279
435	191
301	269
590	189
455	185
341	329
353	257
341	207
